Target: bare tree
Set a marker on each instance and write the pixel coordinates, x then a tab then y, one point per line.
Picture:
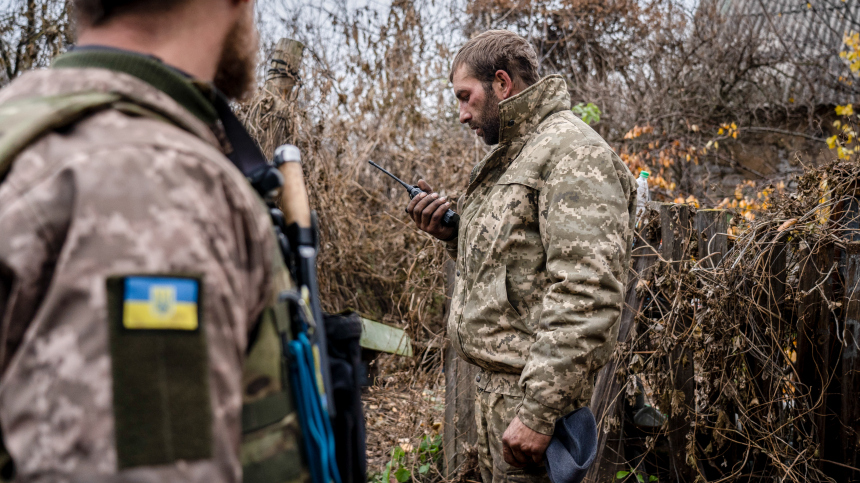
32	32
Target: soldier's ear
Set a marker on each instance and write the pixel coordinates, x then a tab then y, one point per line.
503	85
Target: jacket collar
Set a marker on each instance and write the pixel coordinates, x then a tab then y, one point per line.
173	82
521	114
73	80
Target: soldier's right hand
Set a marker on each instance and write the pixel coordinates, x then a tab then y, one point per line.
427	210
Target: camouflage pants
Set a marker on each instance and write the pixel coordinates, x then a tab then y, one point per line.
493	413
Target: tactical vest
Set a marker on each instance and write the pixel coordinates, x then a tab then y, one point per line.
271	437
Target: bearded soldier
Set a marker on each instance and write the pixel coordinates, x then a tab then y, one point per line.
137	264
542	249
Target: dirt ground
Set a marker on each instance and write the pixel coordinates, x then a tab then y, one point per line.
404	407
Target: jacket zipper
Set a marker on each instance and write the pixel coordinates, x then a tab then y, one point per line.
469	358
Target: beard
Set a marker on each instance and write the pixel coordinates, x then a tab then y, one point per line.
489	121
236	73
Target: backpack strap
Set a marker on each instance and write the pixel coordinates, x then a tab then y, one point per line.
24	121
271	450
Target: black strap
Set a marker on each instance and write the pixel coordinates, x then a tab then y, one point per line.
245	153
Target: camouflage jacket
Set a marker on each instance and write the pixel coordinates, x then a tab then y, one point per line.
120	195
546	227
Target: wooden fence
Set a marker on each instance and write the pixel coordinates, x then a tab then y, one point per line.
811	294
460	430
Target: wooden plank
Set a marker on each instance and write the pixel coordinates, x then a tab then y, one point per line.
771	298
460	433
845	399
712	232
768	290
851	361
713	244
674	232
461	430
606	402
675	226
383	338
813	333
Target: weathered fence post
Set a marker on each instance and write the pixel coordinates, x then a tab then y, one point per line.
847	402
712	231
460	432
813	332
767	293
851	362
607	402
675	228
268	118
777	264
283	73
712	238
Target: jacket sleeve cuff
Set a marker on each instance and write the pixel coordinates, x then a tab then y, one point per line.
537	417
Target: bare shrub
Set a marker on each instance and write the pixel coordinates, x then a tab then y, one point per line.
32	32
686	73
384	100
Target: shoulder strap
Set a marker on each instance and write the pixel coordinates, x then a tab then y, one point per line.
24	121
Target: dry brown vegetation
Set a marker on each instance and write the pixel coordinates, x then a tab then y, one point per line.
374	87
769	326
684	72
383	101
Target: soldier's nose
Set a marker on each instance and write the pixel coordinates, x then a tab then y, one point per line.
465	116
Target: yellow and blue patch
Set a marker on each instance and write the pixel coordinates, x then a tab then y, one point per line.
160	303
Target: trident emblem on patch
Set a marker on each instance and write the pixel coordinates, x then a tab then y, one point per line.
162	301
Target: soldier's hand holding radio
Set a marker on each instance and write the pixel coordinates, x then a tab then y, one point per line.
427	210
430	212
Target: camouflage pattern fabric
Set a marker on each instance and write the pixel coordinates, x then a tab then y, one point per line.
546	227
494	411
113	195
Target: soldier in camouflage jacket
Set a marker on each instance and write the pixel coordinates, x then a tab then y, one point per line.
140	193
542	250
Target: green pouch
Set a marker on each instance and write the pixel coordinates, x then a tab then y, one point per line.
271	436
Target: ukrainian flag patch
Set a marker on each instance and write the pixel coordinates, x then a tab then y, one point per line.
160	303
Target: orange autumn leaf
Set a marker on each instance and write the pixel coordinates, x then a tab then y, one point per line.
785	226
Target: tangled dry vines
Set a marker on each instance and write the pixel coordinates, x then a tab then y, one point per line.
750	352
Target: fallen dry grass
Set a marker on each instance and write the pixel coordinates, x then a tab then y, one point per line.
405	405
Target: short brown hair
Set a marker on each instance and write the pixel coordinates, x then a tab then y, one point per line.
495	50
98	12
